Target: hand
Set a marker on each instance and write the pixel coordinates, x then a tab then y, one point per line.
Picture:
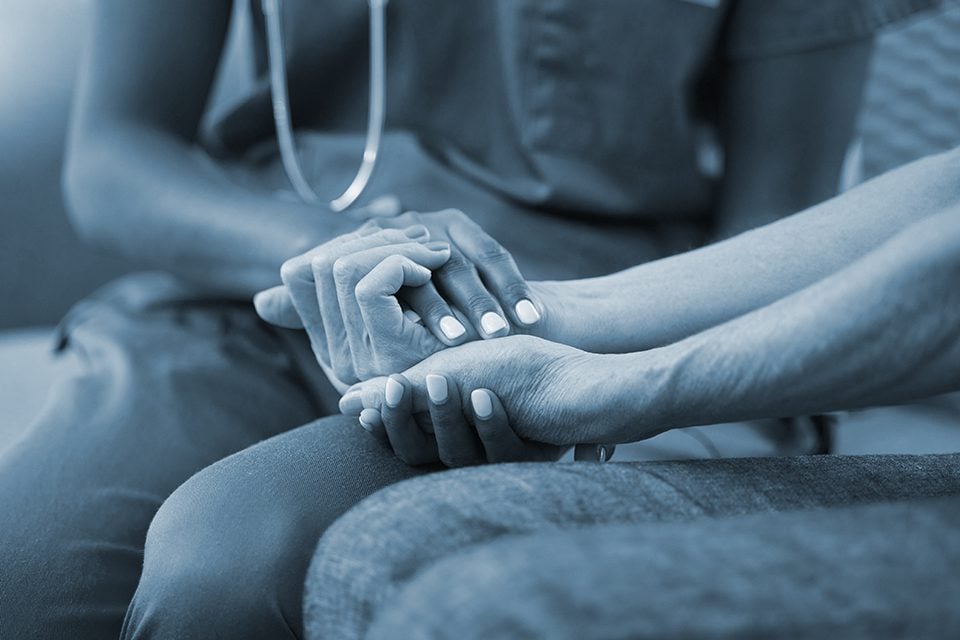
320	294
344	293
478	267
554	394
452	433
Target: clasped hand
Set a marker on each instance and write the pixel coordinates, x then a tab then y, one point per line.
385	298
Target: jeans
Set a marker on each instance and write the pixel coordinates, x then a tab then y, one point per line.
762	547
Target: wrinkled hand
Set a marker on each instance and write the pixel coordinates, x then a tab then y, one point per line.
481	278
345	294
541	384
350	294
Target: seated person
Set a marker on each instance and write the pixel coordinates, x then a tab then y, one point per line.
863	310
569	133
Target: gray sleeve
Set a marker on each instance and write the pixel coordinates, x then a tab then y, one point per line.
766	28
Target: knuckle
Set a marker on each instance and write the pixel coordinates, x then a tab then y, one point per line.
290	270
457	266
343	271
516	290
435	310
365	291
480	302
489	250
321	263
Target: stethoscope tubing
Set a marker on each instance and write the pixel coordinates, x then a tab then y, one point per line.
280	100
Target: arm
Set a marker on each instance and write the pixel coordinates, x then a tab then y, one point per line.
664	301
806	102
883	330
135	180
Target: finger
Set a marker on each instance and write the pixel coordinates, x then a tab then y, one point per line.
498	271
457	444
437	315
298	277
409	442
367	283
460	283
500	443
363	395
372	423
324	291
275	306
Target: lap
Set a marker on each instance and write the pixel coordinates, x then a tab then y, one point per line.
154	382
229	549
406	527
837	572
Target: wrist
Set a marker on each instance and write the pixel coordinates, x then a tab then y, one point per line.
564	317
632	395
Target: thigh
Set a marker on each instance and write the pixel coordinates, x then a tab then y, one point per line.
862	571
156	382
371	551
229	549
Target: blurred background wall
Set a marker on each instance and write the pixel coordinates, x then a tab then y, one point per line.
43	267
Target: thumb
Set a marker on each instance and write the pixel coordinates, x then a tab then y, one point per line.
276	307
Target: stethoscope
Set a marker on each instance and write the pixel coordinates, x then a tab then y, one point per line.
371	147
281	105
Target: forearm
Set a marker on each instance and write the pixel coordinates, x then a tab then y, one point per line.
660	302
159	200
884	330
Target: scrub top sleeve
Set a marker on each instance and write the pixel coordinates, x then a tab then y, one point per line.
766	28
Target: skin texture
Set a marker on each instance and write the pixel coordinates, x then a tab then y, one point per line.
882	326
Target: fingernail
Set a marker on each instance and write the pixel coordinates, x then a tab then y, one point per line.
412	316
526	312
393	394
437	245
416	231
451	327
369	419
482	405
437	388
491	323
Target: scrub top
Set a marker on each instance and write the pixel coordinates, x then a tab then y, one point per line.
600	109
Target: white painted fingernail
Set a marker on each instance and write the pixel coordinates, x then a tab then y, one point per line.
437	388
369	419
526	312
393	394
451	327
412	316
482	405
491	323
